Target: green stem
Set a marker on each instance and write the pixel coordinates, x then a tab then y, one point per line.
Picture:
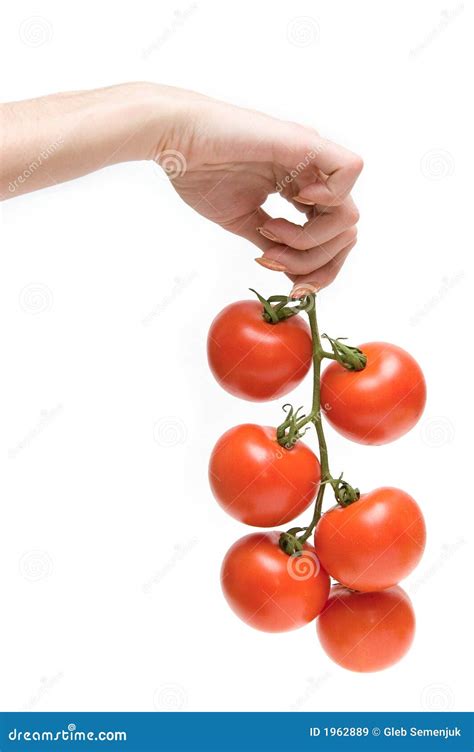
344	493
315	416
331	356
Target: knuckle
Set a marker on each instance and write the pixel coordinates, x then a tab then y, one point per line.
350	215
357	164
351	235
354	215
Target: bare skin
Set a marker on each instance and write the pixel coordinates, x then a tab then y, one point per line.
223	161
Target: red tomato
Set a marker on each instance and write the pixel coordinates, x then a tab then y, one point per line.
259	482
366	631
378	404
373	543
270	590
253	359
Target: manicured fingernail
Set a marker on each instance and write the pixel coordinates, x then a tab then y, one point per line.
299	291
267	234
302	200
275	266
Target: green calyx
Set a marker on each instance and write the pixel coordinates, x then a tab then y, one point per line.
289	543
348	356
345	494
278	308
293	427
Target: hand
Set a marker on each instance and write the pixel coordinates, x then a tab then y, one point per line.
225	162
229	160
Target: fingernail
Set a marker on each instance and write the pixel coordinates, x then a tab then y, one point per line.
275	266
302	200
299	291
267	234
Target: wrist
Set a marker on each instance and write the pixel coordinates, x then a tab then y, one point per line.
158	118
135	122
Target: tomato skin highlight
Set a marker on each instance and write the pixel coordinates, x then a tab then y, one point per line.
378	404
366	631
270	590
255	360
373	543
259	482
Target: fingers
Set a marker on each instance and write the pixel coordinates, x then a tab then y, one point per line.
317	264
318	230
323	277
281	258
341	167
246	226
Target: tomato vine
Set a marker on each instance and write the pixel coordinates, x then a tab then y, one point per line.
259	350
275	309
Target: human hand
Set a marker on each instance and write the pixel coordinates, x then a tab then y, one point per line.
231	159
225	162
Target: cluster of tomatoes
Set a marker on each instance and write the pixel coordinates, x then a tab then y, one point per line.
267	476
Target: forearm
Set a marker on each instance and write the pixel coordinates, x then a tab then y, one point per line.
60	137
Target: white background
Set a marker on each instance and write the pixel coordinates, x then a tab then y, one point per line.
110	541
